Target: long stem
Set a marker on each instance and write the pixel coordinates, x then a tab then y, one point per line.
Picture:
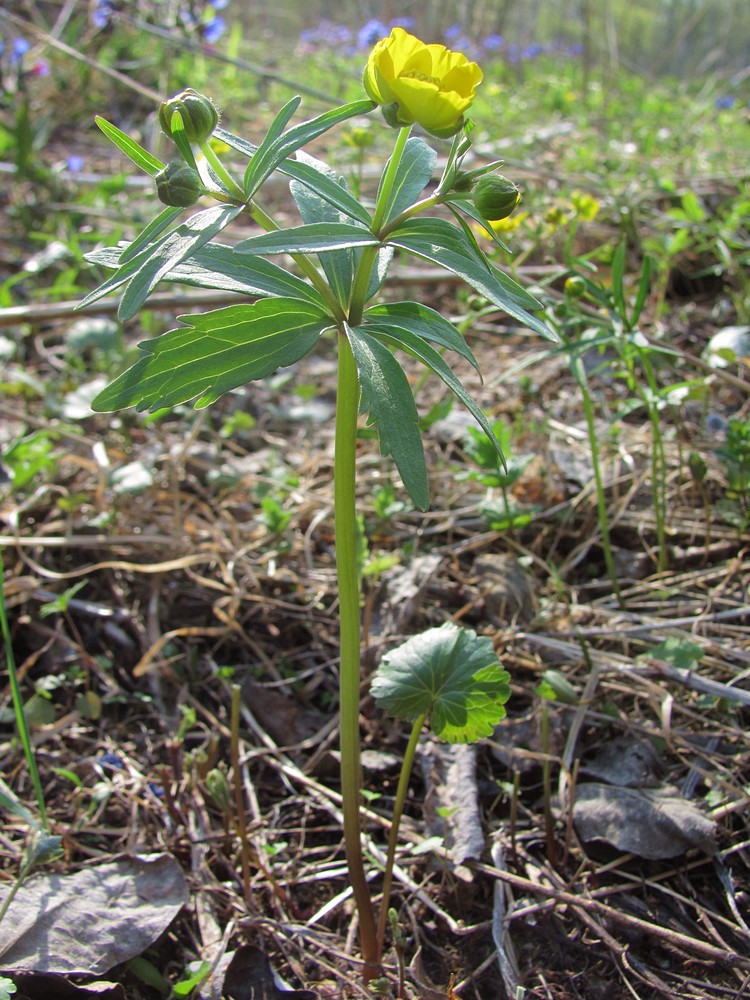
345	526
398	810
601	500
347	407
369	255
18	709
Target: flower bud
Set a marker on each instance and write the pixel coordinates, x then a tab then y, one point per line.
575	286
199	115
178	185
495	197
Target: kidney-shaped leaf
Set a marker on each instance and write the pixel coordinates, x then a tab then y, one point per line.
450	673
216	352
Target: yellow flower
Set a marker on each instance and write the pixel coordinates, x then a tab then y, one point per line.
418	83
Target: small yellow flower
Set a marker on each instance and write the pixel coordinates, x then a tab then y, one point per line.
424	84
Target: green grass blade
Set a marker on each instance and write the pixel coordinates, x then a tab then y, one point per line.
23	729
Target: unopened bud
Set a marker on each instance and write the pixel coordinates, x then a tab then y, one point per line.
178	185
495	197
199	115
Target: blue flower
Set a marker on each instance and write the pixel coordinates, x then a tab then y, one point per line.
213	31
101	14
533	50
454	32
493	42
75	164
111	761
407	23
19	49
724	103
219	4
370	33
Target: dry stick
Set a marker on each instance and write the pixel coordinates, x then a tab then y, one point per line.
674	938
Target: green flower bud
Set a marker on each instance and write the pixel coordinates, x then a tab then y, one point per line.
495	197
575	286
199	115
178	185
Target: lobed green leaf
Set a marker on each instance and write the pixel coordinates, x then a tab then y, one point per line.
338	265
415	345
423	322
415	169
180	244
216	352
388	398
315	238
440	242
218	266
328	188
149	233
449	673
269	155
140	156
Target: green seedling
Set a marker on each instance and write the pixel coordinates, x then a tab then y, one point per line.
497	470
341	254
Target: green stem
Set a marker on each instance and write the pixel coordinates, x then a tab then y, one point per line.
303	262
601	500
389	179
221	171
18	709
345	467
398	810
369	255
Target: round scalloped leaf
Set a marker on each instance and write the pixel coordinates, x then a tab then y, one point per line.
449	673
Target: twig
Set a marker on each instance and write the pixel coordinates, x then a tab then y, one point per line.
586	904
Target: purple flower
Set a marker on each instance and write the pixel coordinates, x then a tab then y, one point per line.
407	23
40	68
533	50
213	31
219	4
453	33
75	164
493	42
370	33
724	103
101	14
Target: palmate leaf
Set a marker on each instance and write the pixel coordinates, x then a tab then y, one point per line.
154	262
423	322
150	232
269	155
449	673
315	238
328	188
218	266
216	352
440	242
181	243
415	169
338	265
414	344
388	398
140	156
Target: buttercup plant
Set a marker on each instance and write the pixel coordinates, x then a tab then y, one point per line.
341	253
